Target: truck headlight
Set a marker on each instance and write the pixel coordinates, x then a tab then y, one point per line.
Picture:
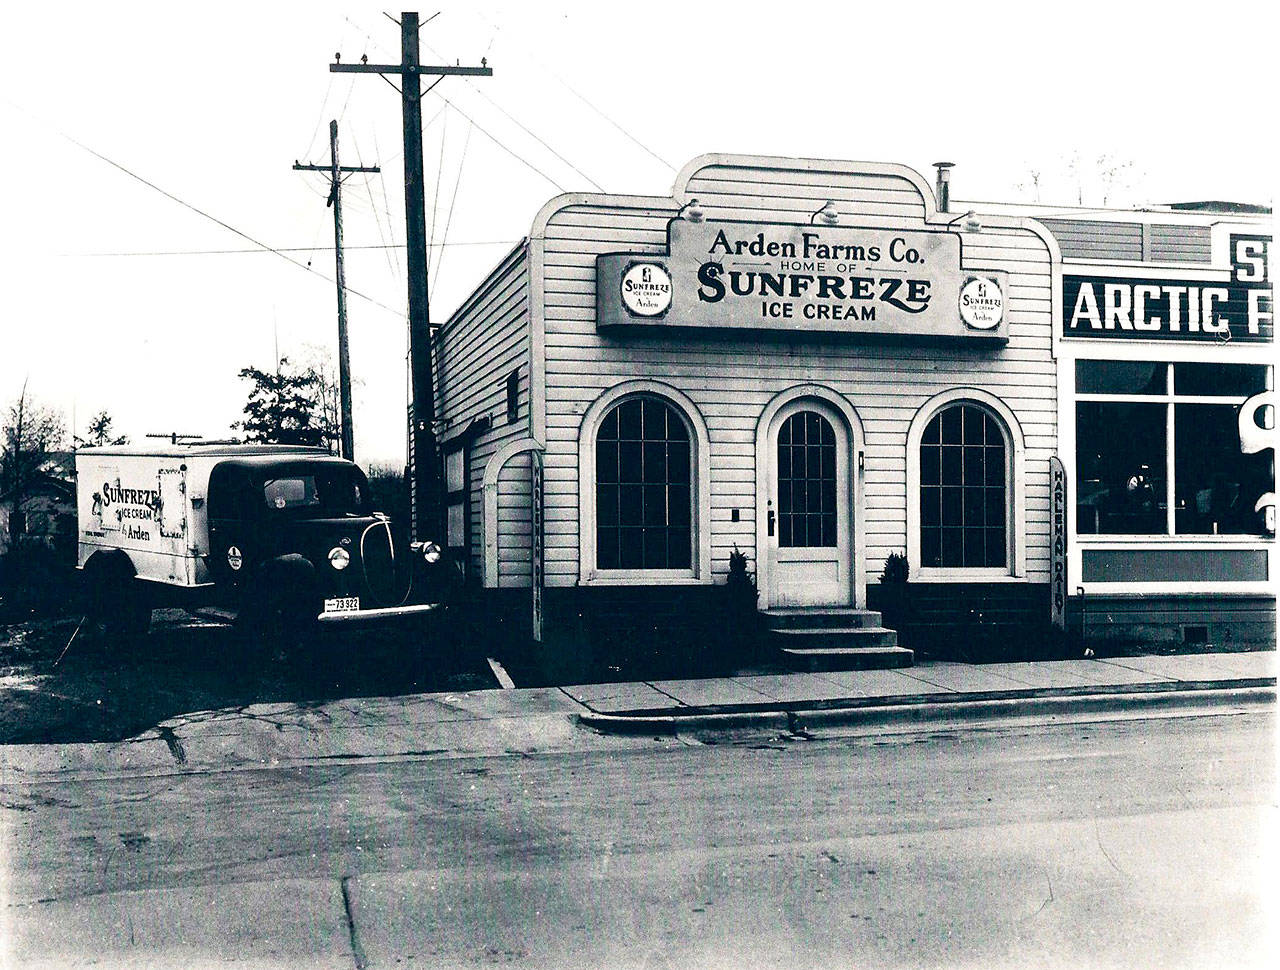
339	558
431	552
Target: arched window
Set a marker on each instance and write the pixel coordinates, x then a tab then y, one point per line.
963	490
643	490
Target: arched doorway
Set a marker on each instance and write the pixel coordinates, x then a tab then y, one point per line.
808	538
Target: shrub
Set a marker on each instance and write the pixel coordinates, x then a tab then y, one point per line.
896	569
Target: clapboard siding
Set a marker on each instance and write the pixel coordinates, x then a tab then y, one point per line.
1094	239
1179	244
486	339
514	525
731	380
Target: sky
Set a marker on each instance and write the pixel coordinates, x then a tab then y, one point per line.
147	299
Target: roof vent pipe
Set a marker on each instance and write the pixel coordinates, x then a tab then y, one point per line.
944	185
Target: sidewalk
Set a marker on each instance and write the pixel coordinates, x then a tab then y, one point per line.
550	719
859	696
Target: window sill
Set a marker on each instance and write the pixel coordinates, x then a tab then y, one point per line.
641	577
933	574
1091	540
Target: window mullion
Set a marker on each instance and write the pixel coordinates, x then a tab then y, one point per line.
1170	490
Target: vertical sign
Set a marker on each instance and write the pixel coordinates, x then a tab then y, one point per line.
1058	543
536	542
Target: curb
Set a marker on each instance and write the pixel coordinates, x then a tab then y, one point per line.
801	716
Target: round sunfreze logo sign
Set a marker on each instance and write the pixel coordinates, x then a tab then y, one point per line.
981	303
646	290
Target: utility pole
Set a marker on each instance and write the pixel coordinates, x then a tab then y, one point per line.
424	492
344	355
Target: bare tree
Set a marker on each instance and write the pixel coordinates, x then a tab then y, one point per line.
1077	179
30	432
328	399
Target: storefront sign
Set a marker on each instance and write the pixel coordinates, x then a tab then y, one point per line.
1058	543
536	542
801	278
981	303
646	290
1120	308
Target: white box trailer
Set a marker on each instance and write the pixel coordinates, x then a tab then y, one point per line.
263	530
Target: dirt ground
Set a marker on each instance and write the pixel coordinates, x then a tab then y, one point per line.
108	692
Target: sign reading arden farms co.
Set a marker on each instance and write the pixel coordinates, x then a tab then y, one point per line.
1119	308
802	278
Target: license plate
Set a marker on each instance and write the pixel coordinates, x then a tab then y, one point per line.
342	604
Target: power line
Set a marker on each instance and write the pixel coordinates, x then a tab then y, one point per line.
277	250
323	103
546	70
386	208
494	138
261	246
526	130
377	220
214	219
452	202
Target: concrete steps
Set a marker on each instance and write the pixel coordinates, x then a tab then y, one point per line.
835	639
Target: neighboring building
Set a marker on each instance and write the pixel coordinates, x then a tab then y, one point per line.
807	361
46	516
1166	417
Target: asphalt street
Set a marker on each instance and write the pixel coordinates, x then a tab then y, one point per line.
1100	843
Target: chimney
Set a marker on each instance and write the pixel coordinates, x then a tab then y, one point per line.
944	185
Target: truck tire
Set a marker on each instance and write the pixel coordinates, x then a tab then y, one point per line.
280	607
115	602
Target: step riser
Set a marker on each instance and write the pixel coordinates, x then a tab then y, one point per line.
776	620
886	659
809	639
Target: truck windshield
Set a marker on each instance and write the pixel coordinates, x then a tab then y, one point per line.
329	491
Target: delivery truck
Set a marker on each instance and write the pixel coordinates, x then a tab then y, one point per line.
275	537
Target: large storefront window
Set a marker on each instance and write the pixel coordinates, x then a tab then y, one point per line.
1158	449
643	487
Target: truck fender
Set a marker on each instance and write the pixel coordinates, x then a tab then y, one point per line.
109	565
283	593
291	577
112	596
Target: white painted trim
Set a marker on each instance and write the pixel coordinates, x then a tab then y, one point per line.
700	468
537	341
1041	232
594	200
1174	589
1131	268
1015	488
779	163
489	514
764	462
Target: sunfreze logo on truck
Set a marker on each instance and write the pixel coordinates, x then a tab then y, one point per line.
149	498
133	509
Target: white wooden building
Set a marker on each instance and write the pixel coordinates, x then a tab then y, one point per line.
804	360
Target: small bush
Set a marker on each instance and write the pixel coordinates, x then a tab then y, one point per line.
896	569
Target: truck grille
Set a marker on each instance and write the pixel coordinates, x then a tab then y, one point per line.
378	560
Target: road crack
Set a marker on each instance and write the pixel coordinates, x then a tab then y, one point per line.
173	742
357	951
